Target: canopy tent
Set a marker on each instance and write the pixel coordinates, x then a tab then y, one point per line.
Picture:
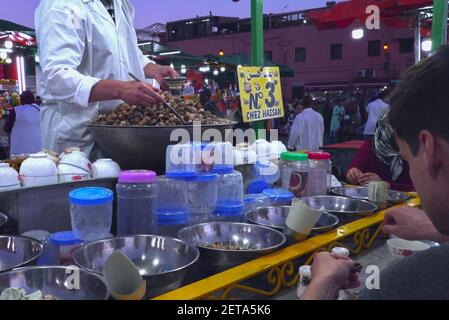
343	14
243	60
21	35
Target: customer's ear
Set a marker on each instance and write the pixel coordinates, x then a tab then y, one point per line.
428	149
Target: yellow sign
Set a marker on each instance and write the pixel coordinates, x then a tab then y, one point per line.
260	93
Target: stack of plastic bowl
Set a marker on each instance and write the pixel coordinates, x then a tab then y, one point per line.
9	178
38	170
74	166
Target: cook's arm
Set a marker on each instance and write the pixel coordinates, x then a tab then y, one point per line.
62	46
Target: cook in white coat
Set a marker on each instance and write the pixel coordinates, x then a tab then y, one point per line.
307	130
87	49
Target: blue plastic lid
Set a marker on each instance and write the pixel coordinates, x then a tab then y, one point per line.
257	186
180	174
222	168
279	194
91	196
251	198
172	217
204	177
65	238
229	208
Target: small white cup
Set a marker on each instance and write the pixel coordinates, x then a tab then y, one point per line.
9	178
38	170
105	168
69	173
405	248
77	159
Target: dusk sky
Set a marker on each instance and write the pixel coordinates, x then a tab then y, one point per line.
151	11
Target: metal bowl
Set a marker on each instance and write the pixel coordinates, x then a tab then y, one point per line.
56	281
340	205
18	252
253	241
394	197
275	217
163	262
3	219
144	147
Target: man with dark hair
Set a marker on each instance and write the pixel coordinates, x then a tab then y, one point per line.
420	117
307	131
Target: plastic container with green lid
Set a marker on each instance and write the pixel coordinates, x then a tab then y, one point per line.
294	173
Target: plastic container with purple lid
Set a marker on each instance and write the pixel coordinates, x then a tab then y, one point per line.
136	203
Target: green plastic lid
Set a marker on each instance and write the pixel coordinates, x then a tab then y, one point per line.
291	156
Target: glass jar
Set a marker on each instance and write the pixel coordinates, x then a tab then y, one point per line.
279	197
65	243
320	173
136	203
202	192
91	213
294	173
172	204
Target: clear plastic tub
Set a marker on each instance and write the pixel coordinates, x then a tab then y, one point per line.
230	186
279	197
320	174
258	200
64	244
91	213
169	223
294	173
136	203
228	211
182	160
202	192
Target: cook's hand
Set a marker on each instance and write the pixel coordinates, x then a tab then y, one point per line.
139	94
159	73
368	177
411	224
353	176
331	273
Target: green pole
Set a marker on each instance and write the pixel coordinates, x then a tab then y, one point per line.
257	48
439	24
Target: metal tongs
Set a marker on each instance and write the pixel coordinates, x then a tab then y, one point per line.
165	104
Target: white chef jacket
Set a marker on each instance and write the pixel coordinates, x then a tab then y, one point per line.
79	45
307	131
375	109
25	134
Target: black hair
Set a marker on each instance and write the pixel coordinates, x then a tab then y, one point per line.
307	102
421	100
27	97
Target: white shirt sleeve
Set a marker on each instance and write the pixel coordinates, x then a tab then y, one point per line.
294	133
144	60
62	46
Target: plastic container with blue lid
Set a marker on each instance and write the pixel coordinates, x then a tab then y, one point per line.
228	211
279	197
63	244
267	171
257	186
230	189
91	213
258	200
202	193
181	160
169	223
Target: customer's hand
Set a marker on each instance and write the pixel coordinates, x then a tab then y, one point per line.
159	73
411	224
368	177
139	93
331	273
353	176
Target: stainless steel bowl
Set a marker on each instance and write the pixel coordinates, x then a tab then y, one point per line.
163	262
18	252
340	205
253	240
56	281
143	147
275	217
3	219
394	197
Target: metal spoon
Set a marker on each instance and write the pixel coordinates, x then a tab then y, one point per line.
164	103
